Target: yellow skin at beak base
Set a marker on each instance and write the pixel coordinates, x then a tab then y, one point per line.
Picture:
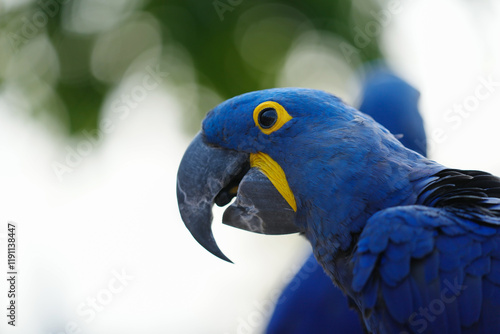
275	174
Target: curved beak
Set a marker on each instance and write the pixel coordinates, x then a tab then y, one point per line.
211	175
204	171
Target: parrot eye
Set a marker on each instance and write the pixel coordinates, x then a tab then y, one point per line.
267	118
270	116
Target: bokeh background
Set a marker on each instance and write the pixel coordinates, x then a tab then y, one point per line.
99	99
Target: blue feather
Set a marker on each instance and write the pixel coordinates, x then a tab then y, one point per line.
363	270
479	267
378	242
424	243
399	251
449	262
403	233
393	272
371	293
488	246
494	274
490	321
452	244
432	267
399	300
470	300
452	230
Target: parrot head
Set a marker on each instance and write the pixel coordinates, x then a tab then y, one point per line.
283	153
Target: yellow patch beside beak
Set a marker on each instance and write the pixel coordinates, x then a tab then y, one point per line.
275	174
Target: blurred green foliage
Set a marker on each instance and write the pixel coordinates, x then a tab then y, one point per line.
65	56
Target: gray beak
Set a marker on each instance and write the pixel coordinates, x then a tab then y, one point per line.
209	174
259	207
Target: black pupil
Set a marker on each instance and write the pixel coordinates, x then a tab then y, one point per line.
267	118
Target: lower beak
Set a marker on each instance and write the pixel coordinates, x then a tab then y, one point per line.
259	207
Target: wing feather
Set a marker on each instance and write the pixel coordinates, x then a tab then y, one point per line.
426	269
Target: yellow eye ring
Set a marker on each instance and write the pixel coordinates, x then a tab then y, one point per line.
281	115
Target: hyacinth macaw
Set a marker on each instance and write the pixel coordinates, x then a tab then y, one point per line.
413	244
310	303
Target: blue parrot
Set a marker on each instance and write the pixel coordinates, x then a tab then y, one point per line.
310	303
413	244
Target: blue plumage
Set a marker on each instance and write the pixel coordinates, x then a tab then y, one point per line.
393	103
353	184
317	308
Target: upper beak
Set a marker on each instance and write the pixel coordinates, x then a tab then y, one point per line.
209	174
